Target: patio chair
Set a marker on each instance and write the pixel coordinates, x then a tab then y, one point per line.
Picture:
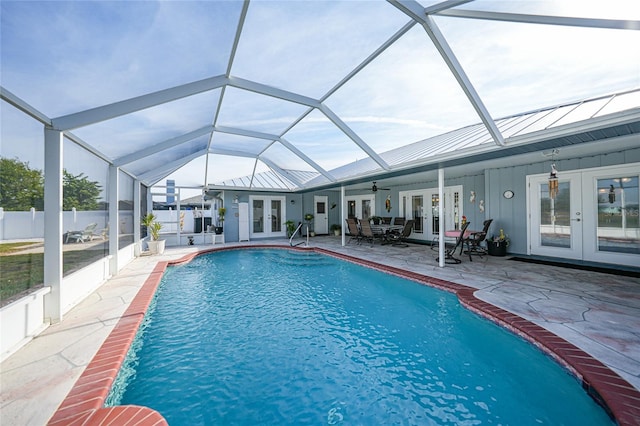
81	236
386	220
352	226
450	249
475	239
366	233
399	240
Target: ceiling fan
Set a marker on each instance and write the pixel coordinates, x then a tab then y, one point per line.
375	188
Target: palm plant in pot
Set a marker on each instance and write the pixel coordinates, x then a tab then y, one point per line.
291	227
308	217
156	245
221	212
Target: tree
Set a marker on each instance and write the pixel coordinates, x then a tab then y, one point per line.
21	187
79	192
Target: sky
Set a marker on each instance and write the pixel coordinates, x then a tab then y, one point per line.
63	57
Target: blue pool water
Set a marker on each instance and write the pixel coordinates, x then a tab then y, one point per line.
252	337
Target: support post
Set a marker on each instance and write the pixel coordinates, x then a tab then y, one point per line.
137	247
441	216
342	218
53	163
114	221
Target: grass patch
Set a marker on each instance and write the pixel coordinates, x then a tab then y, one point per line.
22	272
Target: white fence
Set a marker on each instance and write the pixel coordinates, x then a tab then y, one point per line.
30	225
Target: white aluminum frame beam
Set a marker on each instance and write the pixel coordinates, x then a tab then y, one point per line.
139	103
448	4
263	89
78	141
280	172
232	153
613	24
353	136
308	160
162	146
416	11
284	142
170	167
21	105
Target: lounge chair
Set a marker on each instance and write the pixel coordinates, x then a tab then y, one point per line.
104	234
81	236
399	239
450	249
475	239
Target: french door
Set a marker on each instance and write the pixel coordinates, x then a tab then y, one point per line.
423	207
556	216
593	216
360	206
267	216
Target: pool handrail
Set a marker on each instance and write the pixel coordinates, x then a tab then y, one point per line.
294	234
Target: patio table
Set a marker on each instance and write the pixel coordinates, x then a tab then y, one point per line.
383	231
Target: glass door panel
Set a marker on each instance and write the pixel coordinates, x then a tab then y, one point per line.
258	216
276	216
618	229
456	210
351	209
366	209
416	208
435	214
555	215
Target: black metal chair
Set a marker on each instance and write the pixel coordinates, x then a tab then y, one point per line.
450	249
399	240
475	239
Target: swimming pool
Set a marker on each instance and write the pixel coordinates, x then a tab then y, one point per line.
291	337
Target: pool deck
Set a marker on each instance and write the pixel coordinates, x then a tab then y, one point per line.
598	313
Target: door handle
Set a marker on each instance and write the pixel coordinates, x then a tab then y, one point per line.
577	220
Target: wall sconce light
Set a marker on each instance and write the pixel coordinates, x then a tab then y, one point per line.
293	201
235	199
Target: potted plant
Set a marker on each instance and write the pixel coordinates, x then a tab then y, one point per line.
156	245
221	212
497	246
308	217
291	227
336	229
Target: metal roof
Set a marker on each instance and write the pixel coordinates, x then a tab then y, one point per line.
581	121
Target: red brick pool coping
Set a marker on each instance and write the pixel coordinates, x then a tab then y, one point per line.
84	405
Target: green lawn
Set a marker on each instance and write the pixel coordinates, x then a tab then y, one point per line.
21	272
